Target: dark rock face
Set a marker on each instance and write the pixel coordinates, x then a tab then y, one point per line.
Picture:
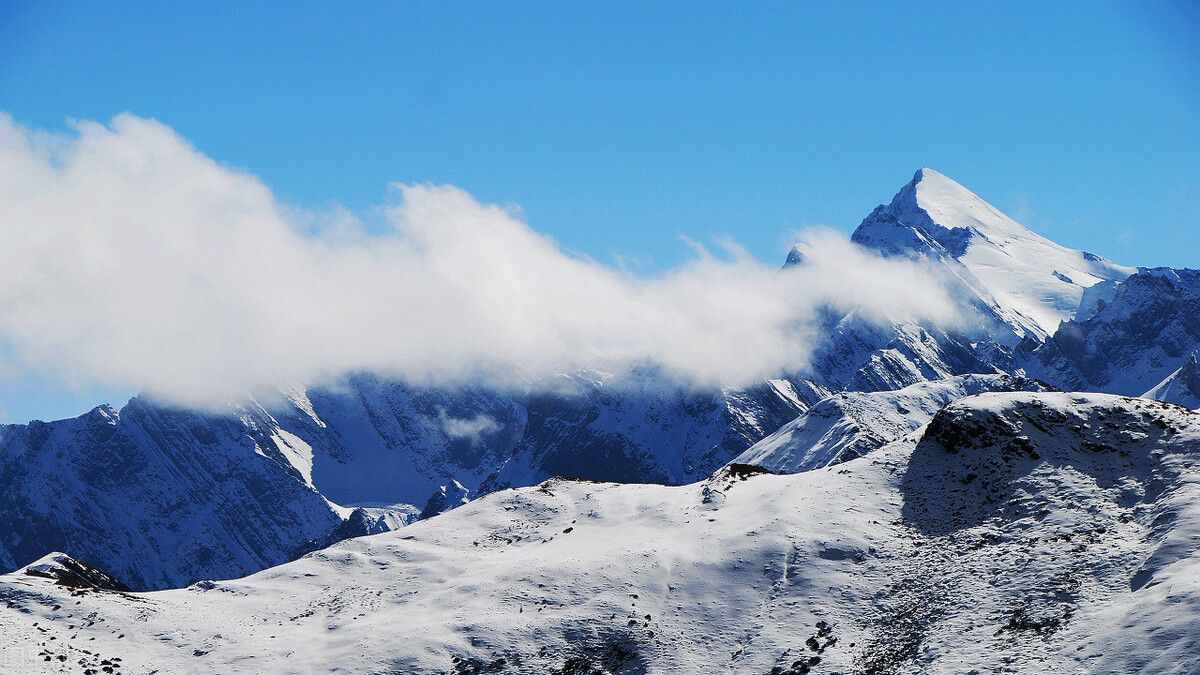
1128	342
1190	374
67	571
645	431
848	425
861	356
444	499
965	429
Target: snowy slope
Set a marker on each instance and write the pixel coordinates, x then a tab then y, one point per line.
159	496
163	497
1029	282
848	425
1181	387
1027	532
1135	334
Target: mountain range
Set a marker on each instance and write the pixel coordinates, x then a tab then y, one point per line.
1012	493
1014	532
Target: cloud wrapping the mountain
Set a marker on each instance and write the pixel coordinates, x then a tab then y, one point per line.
473	429
131	259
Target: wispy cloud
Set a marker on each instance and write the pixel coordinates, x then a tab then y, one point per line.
472	429
132	259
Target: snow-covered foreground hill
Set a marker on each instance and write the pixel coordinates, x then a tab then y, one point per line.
1016	532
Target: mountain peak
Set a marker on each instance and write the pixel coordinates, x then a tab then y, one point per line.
932	213
795	257
927	180
1033	282
951	205
933	177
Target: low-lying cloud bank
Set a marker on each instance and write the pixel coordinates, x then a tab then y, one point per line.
131	259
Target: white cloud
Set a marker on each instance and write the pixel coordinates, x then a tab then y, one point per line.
131	259
472	429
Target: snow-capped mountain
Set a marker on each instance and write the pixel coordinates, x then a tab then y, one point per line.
947	513
1025	532
223	495
1181	387
1016	284
847	425
1129	337
1025	281
157	496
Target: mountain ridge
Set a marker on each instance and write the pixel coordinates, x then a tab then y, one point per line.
1134	334
1049	532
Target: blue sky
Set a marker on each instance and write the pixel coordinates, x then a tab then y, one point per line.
618	128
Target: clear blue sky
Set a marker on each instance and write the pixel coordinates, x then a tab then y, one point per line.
617	127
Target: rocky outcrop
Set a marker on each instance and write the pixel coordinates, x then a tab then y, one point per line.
1138	333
